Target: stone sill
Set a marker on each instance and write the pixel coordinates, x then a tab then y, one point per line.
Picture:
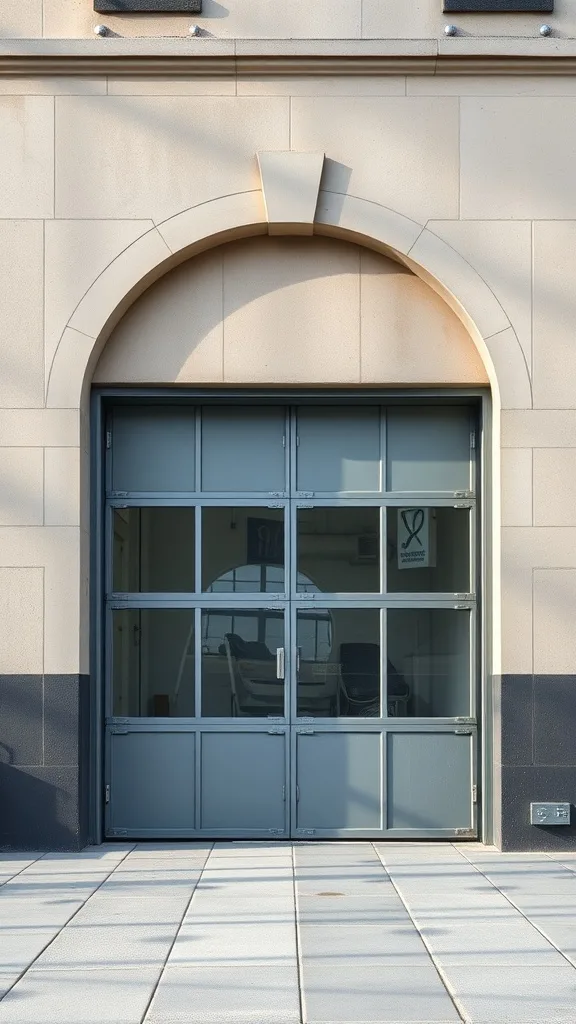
203	56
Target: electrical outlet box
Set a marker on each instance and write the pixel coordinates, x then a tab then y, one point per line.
549	814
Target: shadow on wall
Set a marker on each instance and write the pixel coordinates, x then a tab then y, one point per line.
39	808
294	299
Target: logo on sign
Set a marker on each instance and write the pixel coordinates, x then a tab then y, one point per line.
414	538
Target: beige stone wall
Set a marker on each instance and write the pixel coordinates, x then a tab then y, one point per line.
323	19
290	311
91	166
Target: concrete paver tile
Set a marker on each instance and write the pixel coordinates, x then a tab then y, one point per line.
79	997
383	944
515	995
351	910
346	993
503	940
121	946
210	995
239	909
163	849
235	944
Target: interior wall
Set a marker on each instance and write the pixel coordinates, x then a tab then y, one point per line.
290	311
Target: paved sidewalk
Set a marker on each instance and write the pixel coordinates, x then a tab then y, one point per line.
252	933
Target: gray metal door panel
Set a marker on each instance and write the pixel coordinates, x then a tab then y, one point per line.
153	450
243	782
244	450
429	782
428	450
151	783
339	450
339	780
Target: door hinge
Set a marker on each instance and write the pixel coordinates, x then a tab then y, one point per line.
276	505
306	831
463	732
276	831
118	832
474	794
472	439
469	832
306	732
108	439
119	728
275	732
107	794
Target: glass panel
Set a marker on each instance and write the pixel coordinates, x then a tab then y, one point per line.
153	449
338	450
242	550
339	662
239	663
428	449
428	550
153	550
243	449
428	662
153	662
338	550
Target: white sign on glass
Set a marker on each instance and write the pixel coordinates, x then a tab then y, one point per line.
416	538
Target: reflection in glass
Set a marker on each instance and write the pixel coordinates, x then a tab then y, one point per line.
153	550
339	664
428	550
339	549
153	662
242	550
239	670
430	648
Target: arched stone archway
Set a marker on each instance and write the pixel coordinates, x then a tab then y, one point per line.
243	215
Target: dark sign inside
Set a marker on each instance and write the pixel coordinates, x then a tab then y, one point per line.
148	6
265	541
497	6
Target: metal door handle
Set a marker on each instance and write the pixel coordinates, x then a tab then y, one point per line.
279	663
298	649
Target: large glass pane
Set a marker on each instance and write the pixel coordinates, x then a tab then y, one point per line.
153	662
428	550
242	550
239	663
428	449
339	450
428	662
339	662
244	449
153	550
153	449
338	550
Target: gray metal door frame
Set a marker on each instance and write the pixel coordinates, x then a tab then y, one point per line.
290	601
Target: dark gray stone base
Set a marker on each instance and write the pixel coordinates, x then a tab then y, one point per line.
538	758
44	754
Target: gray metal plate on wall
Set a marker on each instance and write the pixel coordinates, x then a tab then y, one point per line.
148	6
497	6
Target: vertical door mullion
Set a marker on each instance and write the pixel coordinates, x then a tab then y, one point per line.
198	548
197	662
383	552
383	663
198	449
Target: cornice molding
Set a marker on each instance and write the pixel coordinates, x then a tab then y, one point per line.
210	57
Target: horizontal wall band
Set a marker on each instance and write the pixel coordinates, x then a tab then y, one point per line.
202	67
203	57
